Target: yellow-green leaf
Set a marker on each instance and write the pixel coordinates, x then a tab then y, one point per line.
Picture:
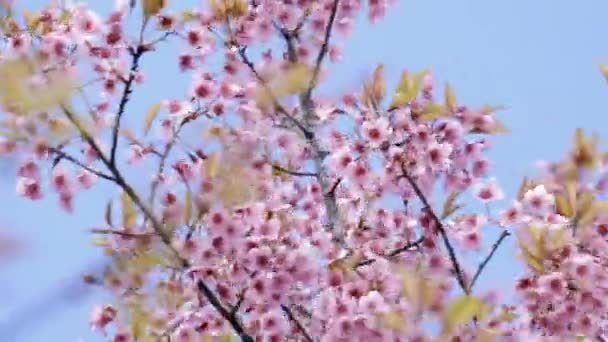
450	98
227	338
604	70
187	207
531	259
152	7
461	310
432	111
391	320
142	262
128	211
139	320
450	206
563	206
150	116
212	165
406	91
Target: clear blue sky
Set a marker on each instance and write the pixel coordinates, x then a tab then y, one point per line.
536	57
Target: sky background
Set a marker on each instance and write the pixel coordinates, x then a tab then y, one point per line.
539	58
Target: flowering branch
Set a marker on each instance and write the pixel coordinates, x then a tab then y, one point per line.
395	252
292	318
231	318
441	228
483	264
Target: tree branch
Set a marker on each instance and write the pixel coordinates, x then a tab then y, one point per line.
292	318
234	322
441	228
483	264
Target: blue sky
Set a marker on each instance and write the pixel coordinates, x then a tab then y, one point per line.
536	57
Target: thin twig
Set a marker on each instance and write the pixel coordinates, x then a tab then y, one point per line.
394	253
324	48
128	89
483	264
441	228
62	155
293	173
121	233
292	318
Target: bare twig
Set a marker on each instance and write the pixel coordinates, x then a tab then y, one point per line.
483	264
324	48
128	89
121	233
441	229
293	318
62	155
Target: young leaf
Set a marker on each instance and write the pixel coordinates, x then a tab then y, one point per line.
212	165
128	211
604	70
563	206
152	7
432	111
406	91
150	116
187	207
449	206
450	98
391	320
461	310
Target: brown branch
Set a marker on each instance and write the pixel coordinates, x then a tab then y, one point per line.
234	322
293	318
62	155
441	229
122	183
483	264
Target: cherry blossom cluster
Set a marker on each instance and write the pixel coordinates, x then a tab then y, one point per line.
315	218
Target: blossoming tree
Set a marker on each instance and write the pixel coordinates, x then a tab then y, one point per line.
287	228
